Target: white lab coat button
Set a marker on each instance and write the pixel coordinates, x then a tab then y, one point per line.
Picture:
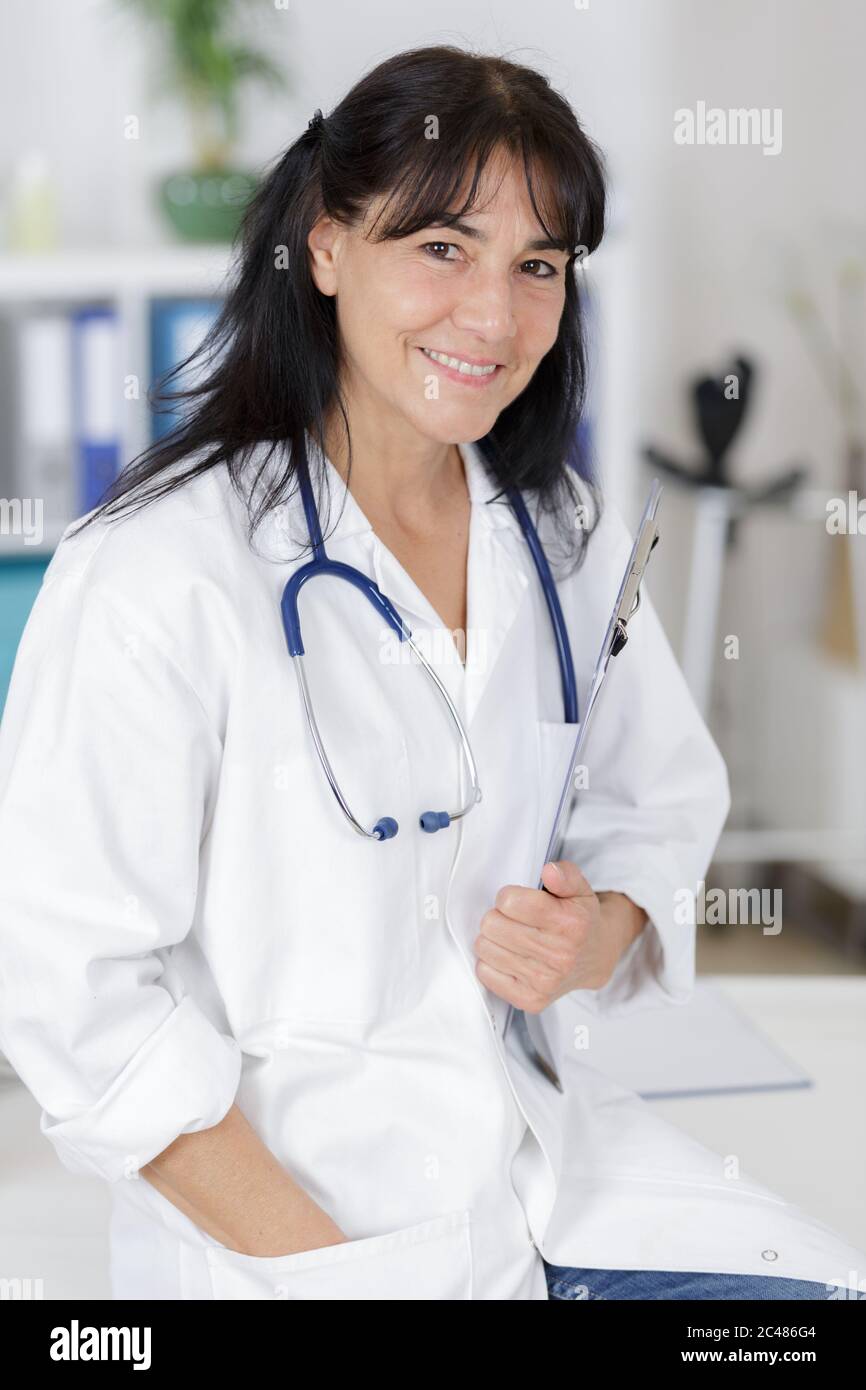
769	1254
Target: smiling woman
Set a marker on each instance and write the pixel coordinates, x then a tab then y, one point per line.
438	340
419	277
290	1019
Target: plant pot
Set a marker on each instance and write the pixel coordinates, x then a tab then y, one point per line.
206	205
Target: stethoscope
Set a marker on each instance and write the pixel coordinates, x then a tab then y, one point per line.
386	827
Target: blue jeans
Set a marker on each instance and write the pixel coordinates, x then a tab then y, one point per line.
567	1283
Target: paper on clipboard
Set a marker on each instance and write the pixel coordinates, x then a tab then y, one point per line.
615	638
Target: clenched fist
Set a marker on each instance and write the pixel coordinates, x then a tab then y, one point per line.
535	946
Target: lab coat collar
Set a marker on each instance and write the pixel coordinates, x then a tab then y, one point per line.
499	569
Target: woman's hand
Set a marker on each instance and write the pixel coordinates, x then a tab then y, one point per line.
227	1181
534	947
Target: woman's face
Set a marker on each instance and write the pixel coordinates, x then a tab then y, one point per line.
485	294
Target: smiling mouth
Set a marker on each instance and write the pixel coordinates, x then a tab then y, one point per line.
477	371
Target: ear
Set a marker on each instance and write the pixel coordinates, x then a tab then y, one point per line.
323	244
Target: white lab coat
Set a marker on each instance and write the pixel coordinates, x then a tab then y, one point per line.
186	919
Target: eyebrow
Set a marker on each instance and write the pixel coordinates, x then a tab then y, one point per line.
539	244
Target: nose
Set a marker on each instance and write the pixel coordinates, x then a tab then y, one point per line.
486	306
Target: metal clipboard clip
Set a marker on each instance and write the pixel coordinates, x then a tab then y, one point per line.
615	638
629	599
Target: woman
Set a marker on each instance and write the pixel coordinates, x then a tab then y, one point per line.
279	1039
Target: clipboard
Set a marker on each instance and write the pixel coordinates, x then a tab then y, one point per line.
615	638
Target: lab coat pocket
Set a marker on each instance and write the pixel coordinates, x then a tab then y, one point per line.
555	746
431	1260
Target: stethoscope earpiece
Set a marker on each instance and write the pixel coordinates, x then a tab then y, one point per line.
432	821
386	828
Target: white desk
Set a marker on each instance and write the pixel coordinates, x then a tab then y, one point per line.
807	1145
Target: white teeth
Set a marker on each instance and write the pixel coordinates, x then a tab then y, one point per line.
466	367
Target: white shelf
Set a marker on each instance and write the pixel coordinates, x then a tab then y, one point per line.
138	272
128	278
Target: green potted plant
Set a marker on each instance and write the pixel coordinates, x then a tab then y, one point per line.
204	63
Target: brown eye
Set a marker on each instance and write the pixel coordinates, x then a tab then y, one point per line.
551	268
428	247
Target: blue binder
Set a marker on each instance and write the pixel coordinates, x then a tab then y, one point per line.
177	328
97	386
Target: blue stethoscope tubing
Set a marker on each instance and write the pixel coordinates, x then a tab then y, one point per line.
430	821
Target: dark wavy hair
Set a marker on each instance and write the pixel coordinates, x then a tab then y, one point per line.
273	353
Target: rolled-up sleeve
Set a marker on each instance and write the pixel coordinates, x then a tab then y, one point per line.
108	774
657	798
